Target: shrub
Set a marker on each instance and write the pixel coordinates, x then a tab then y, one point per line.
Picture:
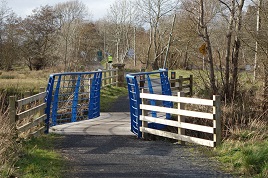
9	148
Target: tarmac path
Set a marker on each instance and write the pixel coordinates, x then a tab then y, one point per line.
105	147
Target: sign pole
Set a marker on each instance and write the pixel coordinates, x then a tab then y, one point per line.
203	62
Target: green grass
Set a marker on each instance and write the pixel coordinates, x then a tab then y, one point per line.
39	160
110	94
244	158
245	152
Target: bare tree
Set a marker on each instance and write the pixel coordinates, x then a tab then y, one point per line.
203	32
71	15
121	18
234	32
153	11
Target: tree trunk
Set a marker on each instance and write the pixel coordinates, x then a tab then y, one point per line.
149	50
228	53
155	65
211	65
205	36
169	41
237	45
265	91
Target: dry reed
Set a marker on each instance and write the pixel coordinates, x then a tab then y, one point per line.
9	147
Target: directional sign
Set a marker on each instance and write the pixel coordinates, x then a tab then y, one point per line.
203	49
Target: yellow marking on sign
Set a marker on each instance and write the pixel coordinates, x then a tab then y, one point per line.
203	49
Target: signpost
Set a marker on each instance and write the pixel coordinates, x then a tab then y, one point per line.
203	50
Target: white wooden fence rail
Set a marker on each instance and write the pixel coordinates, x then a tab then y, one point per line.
181	114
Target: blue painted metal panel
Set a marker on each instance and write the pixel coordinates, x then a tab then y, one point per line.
55	102
166	90
94	104
48	99
161	82
134	102
73	98
152	102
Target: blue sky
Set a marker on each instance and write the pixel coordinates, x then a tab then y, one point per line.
98	8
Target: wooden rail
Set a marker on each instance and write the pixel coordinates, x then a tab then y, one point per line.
181	84
181	114
110	77
27	115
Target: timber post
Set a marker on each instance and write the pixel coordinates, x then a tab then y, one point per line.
191	85
181	106
12	112
217	120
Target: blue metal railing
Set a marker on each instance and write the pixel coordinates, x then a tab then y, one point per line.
154	82
72	96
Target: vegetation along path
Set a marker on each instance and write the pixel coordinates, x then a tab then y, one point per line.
127	156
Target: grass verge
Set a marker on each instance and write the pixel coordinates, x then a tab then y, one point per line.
245	152
39	159
245	159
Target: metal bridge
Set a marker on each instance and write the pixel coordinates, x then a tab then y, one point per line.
73	97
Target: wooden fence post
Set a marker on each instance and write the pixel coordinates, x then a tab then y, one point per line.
144	113
191	85
217	120
181	118
180	83
12	112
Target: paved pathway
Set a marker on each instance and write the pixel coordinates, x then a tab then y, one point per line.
105	147
113	123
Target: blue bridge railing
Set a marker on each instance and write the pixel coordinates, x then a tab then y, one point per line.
71	97
153	82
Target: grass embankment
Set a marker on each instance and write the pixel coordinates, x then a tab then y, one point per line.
246	151
39	159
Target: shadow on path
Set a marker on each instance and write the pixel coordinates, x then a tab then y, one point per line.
127	156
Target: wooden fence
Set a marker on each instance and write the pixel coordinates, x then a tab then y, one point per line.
27	115
181	114
110	77
181	84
